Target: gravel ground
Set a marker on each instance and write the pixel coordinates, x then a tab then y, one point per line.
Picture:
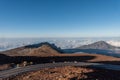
70	73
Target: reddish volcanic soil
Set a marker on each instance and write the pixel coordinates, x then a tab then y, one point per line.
5	66
70	73
98	57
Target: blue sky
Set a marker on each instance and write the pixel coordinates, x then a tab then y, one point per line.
59	18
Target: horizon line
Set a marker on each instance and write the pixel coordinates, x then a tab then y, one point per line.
65	37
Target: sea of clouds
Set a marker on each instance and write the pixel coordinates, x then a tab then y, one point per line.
64	43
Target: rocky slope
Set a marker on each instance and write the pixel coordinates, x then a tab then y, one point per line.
42	49
70	73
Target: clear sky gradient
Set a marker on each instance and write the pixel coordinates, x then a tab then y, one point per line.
59	18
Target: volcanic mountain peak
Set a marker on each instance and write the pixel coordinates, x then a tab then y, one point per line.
44	45
98	45
102	43
44	50
41	49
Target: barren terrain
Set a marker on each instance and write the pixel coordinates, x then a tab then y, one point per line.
47	54
70	73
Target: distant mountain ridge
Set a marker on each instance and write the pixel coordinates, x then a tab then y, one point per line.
99	45
41	49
